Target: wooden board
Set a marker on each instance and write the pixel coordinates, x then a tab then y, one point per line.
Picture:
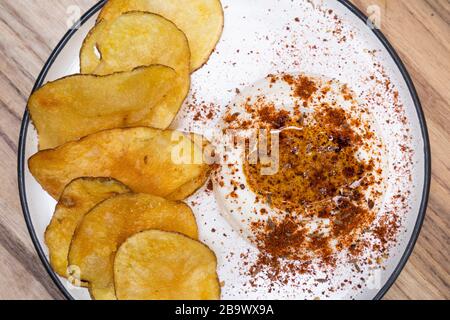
418	29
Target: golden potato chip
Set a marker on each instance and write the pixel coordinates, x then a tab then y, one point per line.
139	39
200	20
185	190
203	144
107	225
89	53
158	265
78	197
147	160
75	106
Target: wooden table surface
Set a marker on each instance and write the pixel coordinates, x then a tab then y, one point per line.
418	29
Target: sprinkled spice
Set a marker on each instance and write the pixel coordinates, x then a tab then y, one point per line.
318	164
210	186
315	161
303	87
320	179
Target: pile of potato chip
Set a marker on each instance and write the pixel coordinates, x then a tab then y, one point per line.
107	155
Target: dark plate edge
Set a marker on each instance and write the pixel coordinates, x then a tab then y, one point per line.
348	5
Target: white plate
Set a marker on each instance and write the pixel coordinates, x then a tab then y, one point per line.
253	45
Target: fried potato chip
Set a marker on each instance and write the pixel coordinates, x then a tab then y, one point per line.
147	160
78	197
158	265
107	225
89	53
73	107
185	190
139	39
201	21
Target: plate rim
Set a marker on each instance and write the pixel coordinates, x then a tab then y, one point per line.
352	8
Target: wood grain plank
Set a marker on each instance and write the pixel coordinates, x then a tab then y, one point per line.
29	30
418	29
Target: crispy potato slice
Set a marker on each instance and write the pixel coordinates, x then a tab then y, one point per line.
138	39
185	190
73	107
89	53
201	21
106	226
203	144
158	265
147	160
78	197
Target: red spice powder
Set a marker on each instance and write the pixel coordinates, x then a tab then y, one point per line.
303	87
318	164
